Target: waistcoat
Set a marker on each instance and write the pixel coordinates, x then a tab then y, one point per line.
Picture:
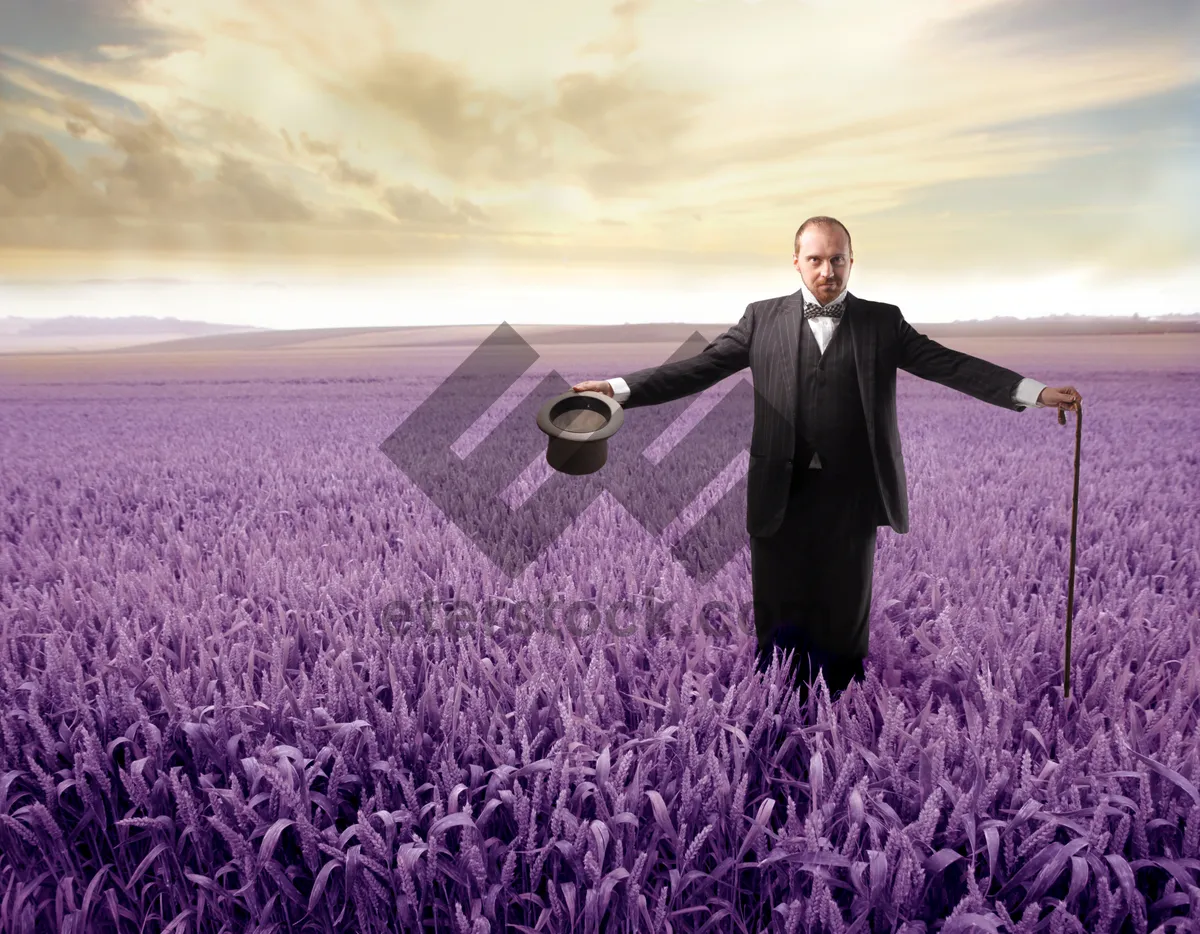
829	411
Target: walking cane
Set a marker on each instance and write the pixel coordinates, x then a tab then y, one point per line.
1062	420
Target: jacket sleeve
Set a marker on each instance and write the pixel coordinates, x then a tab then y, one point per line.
723	356
926	358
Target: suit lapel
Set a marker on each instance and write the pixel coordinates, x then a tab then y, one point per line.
787	339
863	340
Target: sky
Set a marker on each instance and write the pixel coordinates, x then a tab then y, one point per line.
426	162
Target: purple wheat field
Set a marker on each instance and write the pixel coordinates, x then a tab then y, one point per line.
214	719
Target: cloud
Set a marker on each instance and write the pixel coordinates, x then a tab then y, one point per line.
317	147
624	116
30	167
640	130
145	176
43	87
336	166
1047	27
411	204
90	30
244	192
624	40
349	174
470	133
632	129
206	126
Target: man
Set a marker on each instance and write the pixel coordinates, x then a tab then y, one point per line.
826	467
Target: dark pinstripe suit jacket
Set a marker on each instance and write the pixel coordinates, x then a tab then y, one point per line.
767	339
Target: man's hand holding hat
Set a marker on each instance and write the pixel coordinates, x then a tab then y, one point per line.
594	385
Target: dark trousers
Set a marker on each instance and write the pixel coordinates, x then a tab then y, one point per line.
812	579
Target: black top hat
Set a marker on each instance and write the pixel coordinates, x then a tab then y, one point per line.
579	425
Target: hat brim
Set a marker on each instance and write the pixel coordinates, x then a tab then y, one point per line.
581	401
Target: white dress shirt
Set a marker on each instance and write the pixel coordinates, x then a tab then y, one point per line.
1026	393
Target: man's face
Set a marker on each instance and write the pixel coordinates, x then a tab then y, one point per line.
823	261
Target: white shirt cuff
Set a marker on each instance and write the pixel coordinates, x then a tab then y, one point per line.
620	388
1027	393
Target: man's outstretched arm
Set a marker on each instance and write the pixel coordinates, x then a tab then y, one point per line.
723	356
924	357
930	360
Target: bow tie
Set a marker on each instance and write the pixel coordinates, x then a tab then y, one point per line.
813	310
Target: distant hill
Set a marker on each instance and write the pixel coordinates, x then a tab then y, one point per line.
1007	326
147	334
471	335
83	332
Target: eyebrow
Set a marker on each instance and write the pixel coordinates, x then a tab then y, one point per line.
816	256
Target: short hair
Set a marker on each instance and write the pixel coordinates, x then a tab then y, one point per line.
821	221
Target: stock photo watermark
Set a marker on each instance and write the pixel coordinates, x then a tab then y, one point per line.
474	490
403	617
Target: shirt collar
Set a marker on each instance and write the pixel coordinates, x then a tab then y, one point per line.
808	296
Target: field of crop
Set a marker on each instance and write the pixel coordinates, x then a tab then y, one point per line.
253	679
